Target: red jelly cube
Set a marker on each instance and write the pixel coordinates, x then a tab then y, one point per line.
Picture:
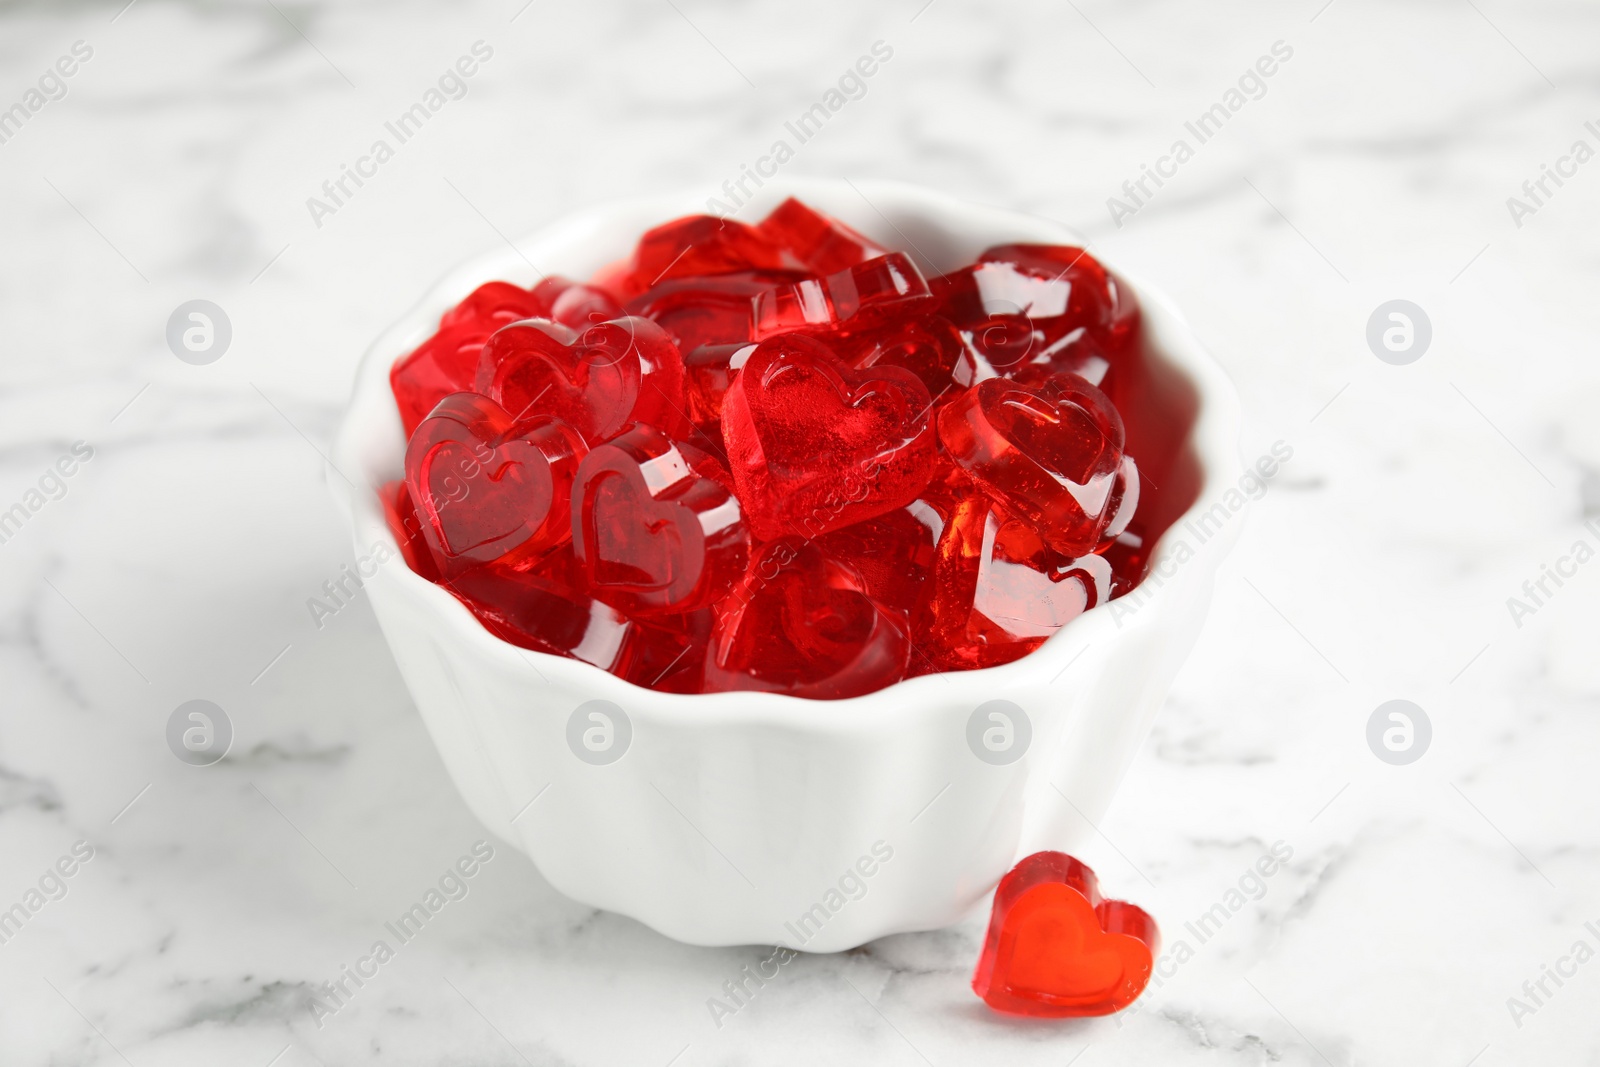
447	362
998	590
820	244
866	295
1050	453
489	487
612	374
800	622
655	526
708	310
815	446
1055	949
700	244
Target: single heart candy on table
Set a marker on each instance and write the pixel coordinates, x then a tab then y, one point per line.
489	487
613	373
655	524
801	622
1055	949
814	445
1049	452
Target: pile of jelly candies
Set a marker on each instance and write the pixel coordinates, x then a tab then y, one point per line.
776	457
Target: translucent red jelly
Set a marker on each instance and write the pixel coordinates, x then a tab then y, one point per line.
782	457
1055	949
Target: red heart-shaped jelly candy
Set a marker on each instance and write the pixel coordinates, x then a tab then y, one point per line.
447	362
489	487
1056	950
822	245
892	552
655	527
863	296
1037	306
1095	299
815	446
997	590
713	310
614	373
928	346
800	622
1076	354
1049	453
574	304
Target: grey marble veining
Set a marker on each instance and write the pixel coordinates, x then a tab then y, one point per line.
1425	907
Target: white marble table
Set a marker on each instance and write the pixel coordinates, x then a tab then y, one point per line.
176	562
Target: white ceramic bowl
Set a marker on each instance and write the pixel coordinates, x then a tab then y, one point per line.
745	818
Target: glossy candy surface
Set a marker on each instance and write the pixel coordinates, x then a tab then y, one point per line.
1050	452
699	245
542	611
1055	949
815	445
655	526
614	373
488	487
448	361
778	457
997	590
709	310
819	244
860	297
928	346
801	622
